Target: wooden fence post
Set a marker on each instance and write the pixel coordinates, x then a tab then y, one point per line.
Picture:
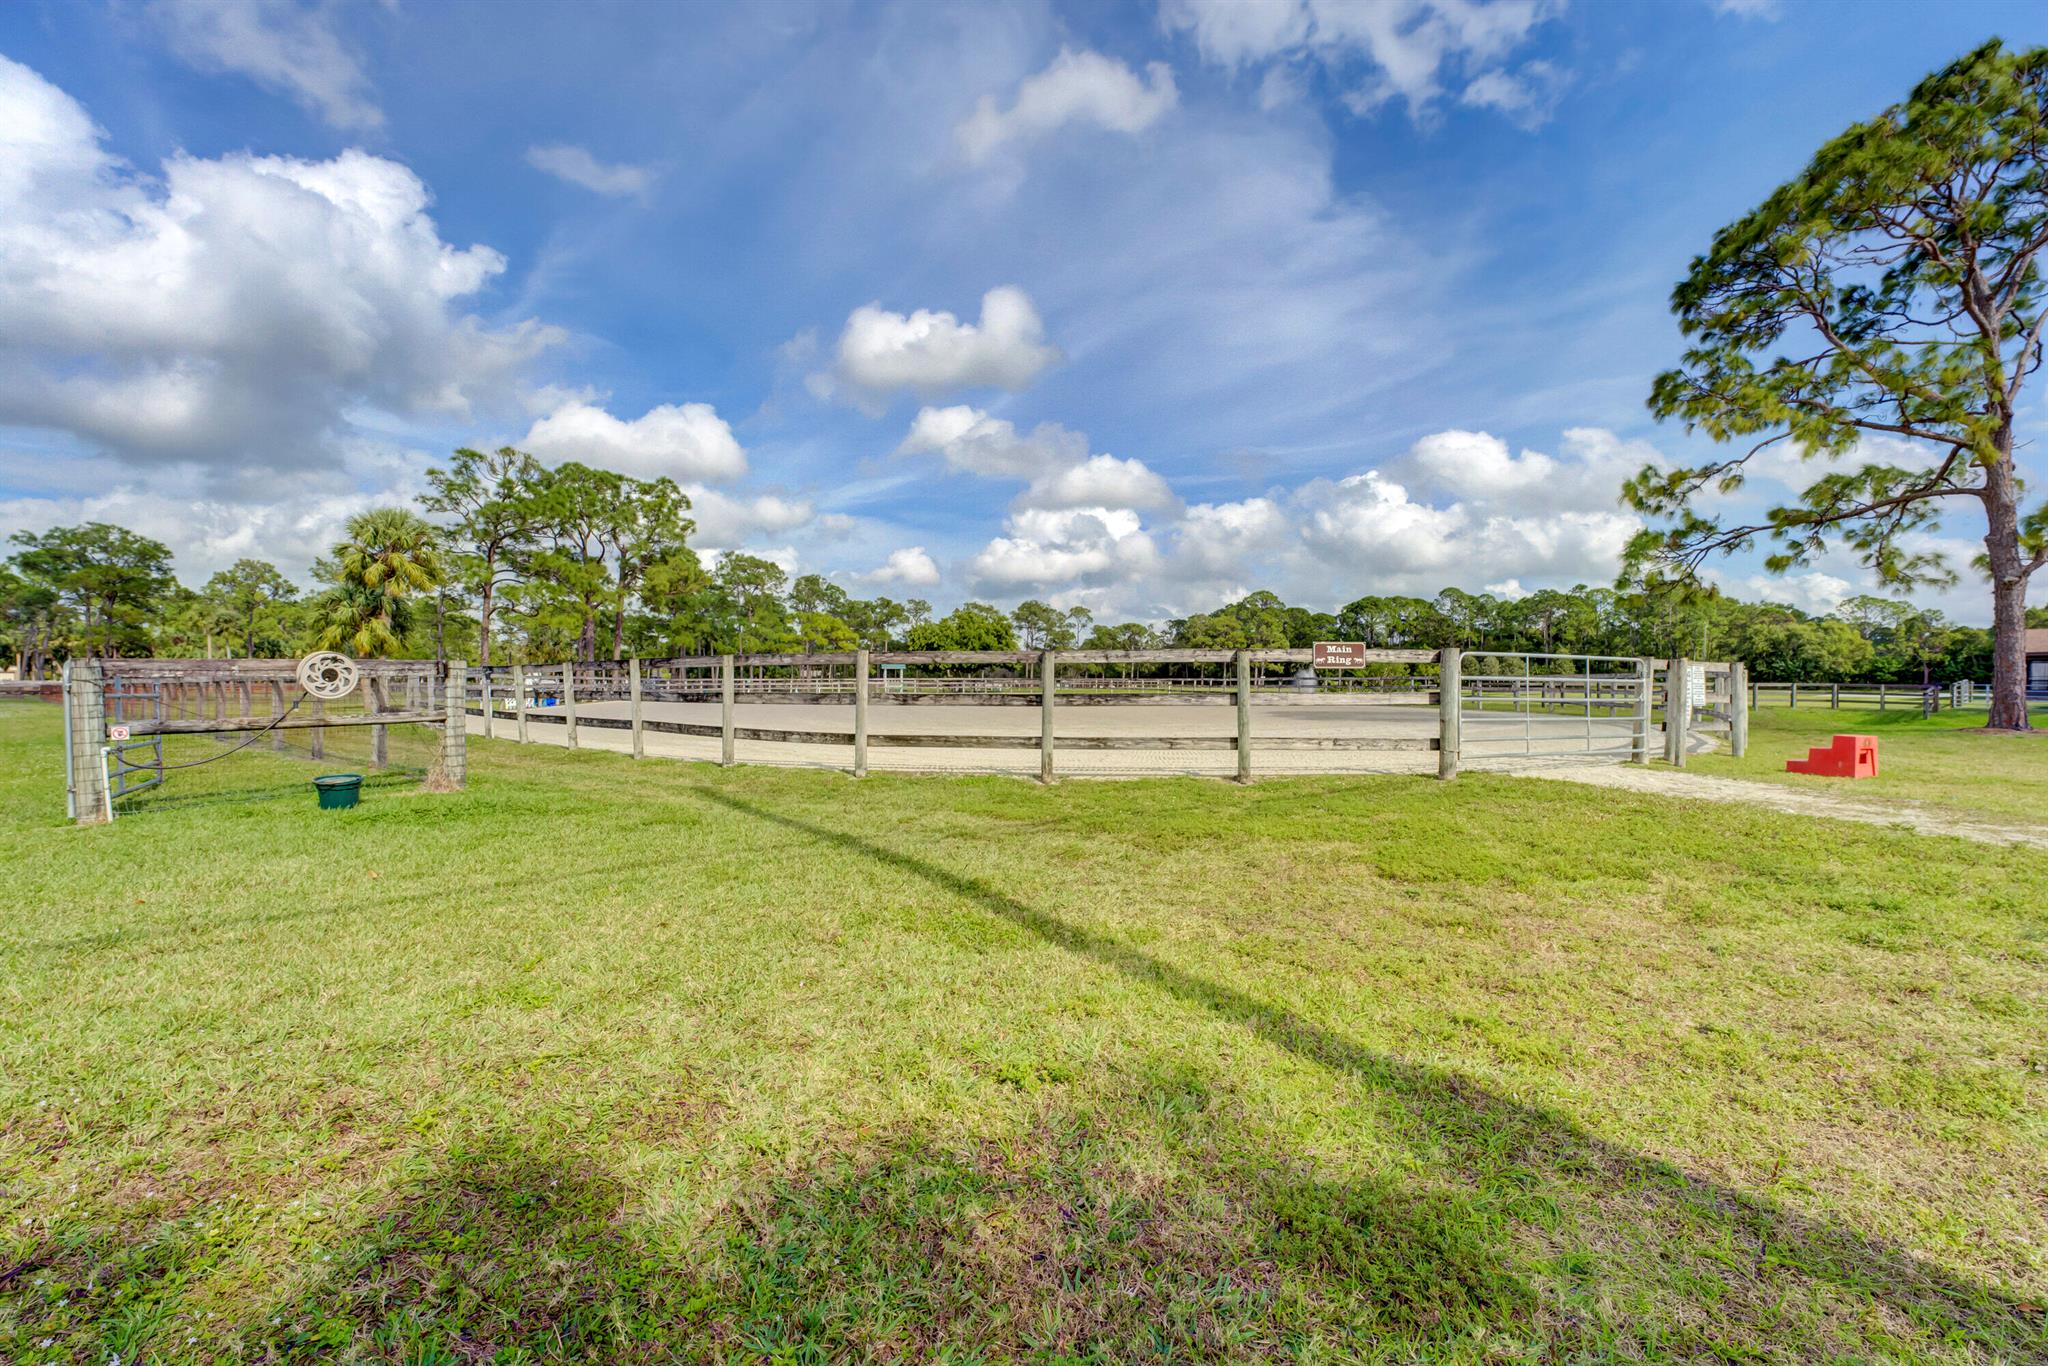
569	701
633	695
1244	716
860	713
1738	713
490	710
1880	697
1835	696
1449	682
1639	731
725	689
1793	703
277	705
1677	712
519	700
455	725
85	727
380	751
317	744
1047	668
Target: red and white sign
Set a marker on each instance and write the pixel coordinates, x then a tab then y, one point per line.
117	732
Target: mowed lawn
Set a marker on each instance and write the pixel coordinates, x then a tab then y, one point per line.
1945	762
609	1061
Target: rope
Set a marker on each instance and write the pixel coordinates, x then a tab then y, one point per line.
254	736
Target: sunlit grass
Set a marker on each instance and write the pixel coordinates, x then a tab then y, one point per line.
1946	761
602	1060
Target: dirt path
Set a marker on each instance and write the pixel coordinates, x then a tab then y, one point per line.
1671	783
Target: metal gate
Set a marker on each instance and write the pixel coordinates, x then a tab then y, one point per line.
1554	706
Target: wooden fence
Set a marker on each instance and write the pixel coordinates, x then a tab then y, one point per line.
516	698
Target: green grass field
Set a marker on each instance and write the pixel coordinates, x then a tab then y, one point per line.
1943	762
603	1061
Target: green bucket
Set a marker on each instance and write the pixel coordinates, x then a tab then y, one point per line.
338	791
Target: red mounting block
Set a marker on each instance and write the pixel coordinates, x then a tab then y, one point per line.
1850	756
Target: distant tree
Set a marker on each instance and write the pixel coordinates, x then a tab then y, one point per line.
107	578
387	557
970	626
756	589
244	589
1130	635
816	593
496	522
821	631
1039	626
647	537
1898	278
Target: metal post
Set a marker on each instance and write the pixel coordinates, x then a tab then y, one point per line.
1738	709
860	713
1639	730
633	694
725	688
519	699
1046	671
1244	716
1449	668
1677	713
569	702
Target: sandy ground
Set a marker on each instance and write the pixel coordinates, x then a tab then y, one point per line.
1488	740
1670	782
1491	743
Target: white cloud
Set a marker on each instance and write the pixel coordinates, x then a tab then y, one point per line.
282	45
1406	43
1813	592
971	441
1078	87
566	161
242	309
1746	9
882	353
1045	548
1101	481
910	566
687	441
1527	98
725	519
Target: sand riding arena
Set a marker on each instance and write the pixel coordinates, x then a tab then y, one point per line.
1093	713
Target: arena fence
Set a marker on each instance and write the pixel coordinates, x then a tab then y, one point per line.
1468	708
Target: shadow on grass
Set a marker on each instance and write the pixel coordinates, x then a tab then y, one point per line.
1656	1210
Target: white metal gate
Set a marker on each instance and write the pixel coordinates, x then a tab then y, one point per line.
1555	706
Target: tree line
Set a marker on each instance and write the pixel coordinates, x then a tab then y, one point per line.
522	562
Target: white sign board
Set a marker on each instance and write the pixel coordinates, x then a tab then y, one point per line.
117	732
1695	685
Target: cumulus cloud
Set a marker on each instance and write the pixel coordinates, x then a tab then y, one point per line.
239	309
971	441
1814	592
1408	45
881	353
1101	481
566	161
687	441
282	45
1068	547
910	567
725	519
1078	87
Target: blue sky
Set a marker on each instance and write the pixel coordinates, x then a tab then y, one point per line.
1138	306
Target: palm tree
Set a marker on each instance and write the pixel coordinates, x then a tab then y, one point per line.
387	555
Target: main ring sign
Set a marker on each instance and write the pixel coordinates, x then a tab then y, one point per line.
1339	654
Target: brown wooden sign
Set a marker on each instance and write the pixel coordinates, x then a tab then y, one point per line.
1339	654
